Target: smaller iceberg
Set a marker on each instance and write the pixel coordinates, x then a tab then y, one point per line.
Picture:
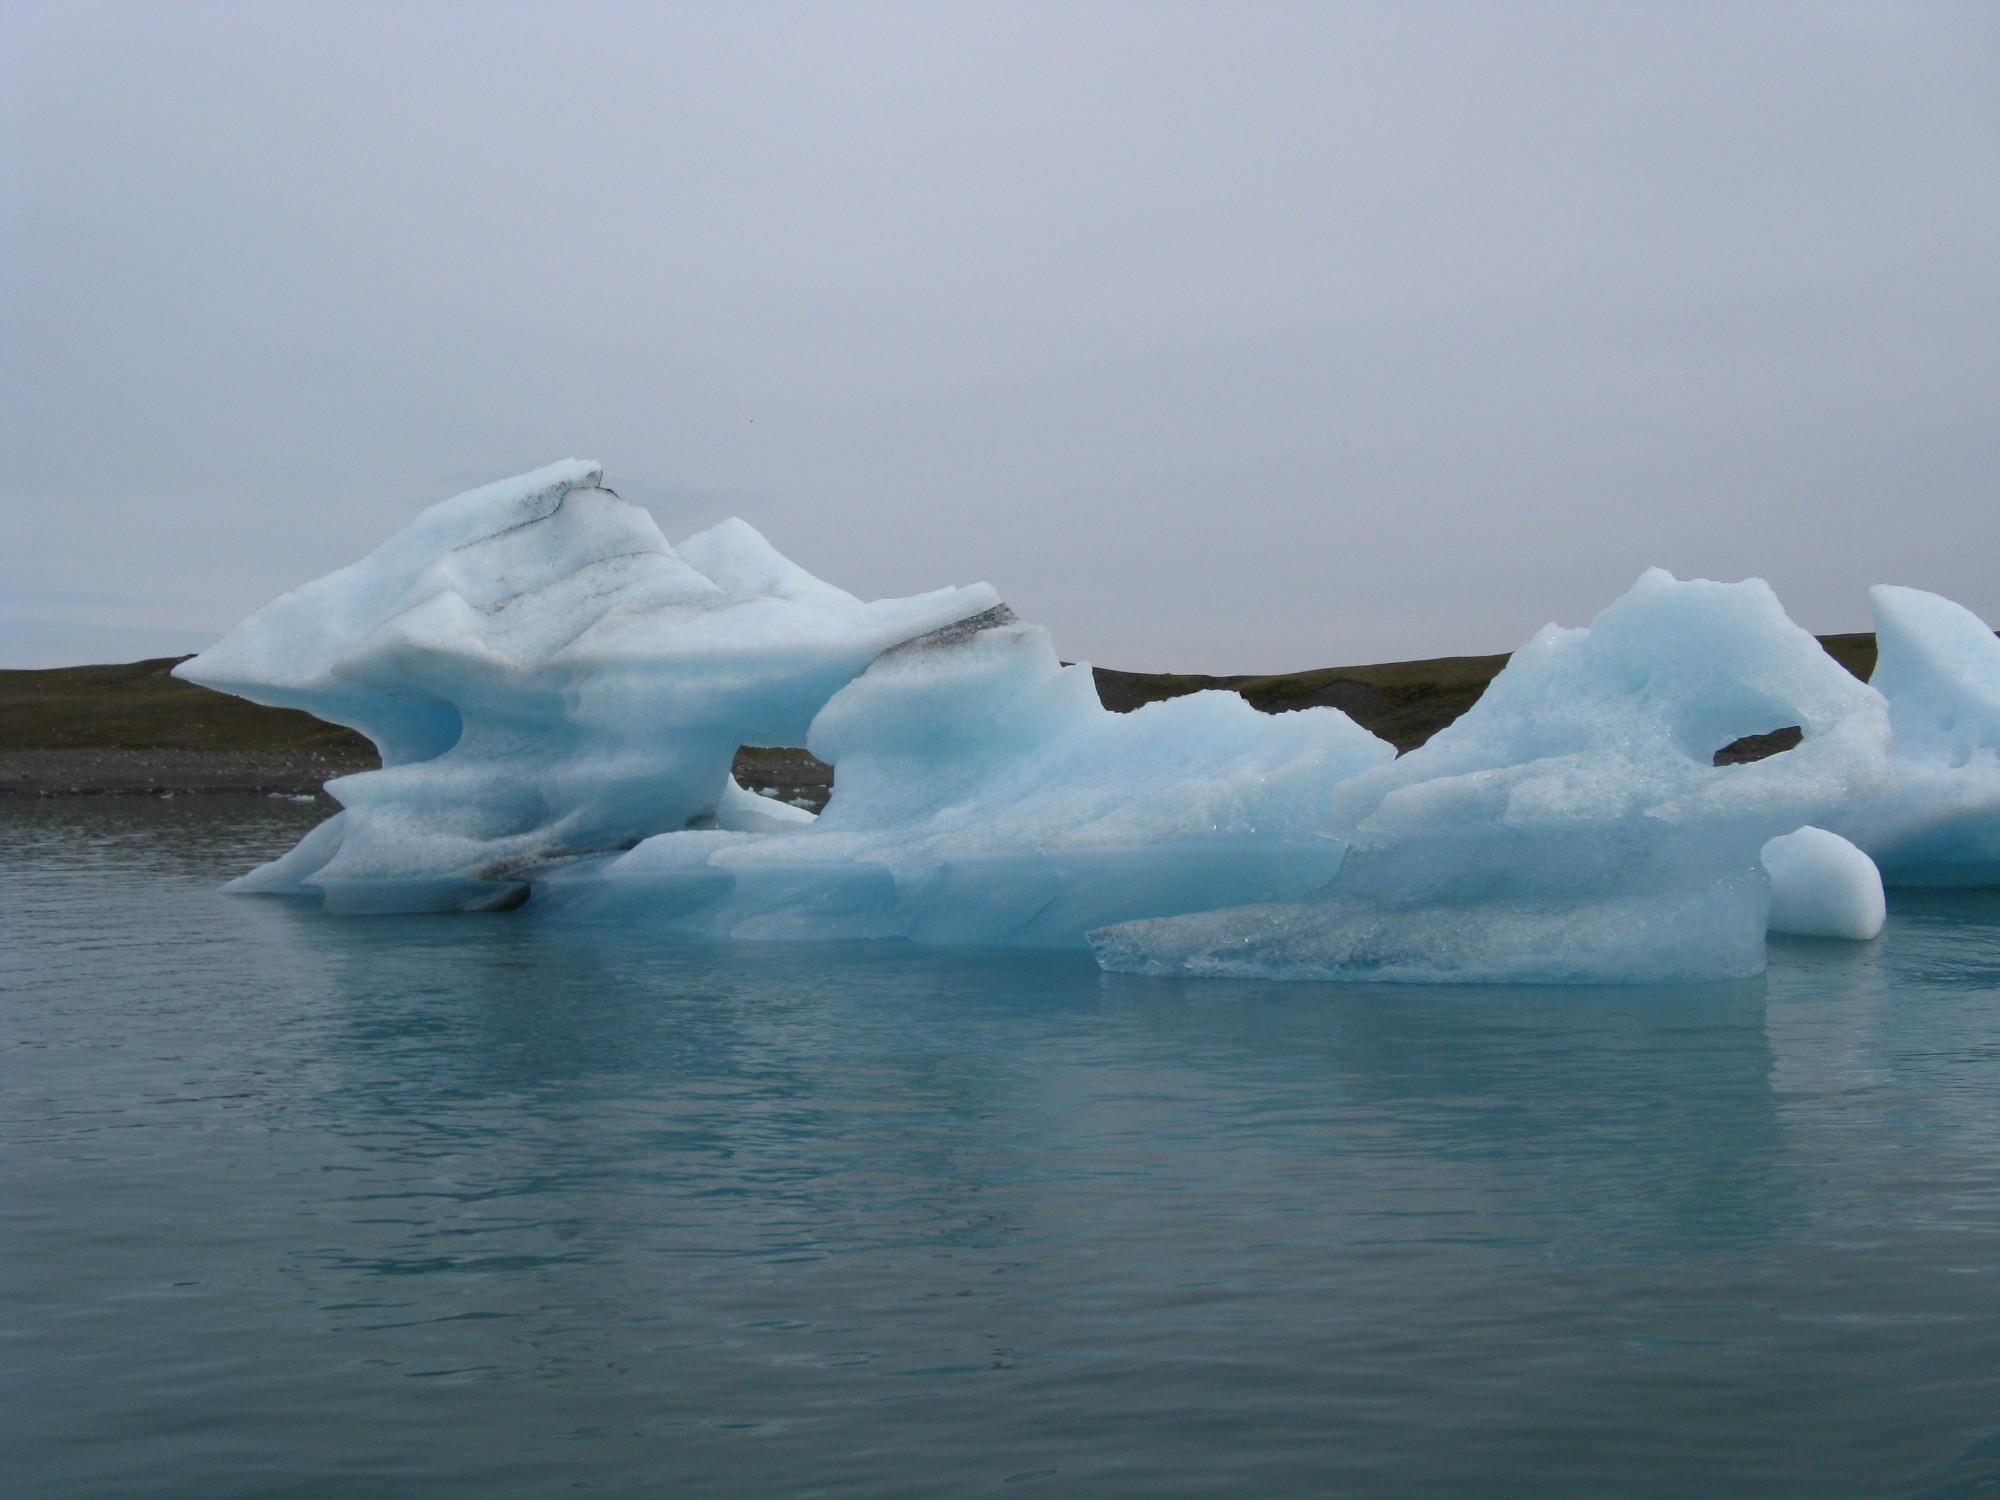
1572	827
1938	665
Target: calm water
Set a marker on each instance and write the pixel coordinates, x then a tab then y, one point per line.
295	1206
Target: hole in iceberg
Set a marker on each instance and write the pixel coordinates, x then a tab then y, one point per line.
1760	746
784	774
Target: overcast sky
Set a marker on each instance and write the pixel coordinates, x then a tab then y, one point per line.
1227	337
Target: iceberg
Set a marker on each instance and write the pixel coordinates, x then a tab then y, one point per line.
1938	666
1822	886
545	677
557	695
983	795
1572	827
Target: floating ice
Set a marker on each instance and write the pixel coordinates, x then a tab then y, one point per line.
1939	667
1822	886
557	695
547	680
983	795
546	677
1572	827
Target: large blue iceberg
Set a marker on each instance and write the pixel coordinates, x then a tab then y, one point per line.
557	694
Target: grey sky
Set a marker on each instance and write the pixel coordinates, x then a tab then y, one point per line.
1232	337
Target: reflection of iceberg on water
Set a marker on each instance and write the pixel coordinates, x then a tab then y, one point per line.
1573	826
558	694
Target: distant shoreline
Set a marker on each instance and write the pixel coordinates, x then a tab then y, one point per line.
165	772
133	729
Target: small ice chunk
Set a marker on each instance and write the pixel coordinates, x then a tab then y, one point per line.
1822	886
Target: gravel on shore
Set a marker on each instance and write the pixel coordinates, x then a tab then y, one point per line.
162	772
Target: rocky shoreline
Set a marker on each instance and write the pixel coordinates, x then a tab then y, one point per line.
166	771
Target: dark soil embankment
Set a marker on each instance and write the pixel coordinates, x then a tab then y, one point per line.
141	706
1405	702
134	728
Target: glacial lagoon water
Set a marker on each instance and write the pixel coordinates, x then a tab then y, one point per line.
293	1205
